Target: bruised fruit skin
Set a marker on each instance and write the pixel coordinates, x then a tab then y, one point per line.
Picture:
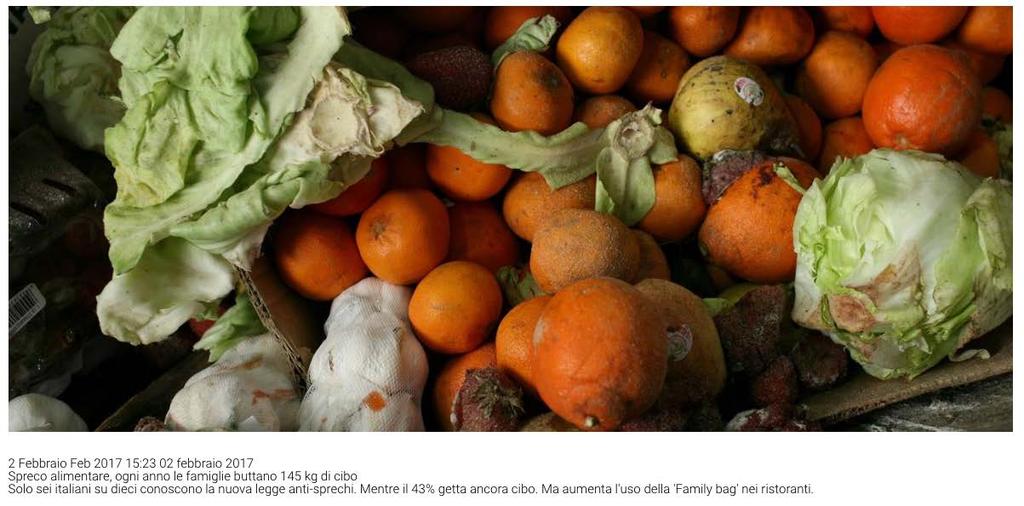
600	354
316	254
600	48
725	168
531	93
479	234
488	402
576	244
777	384
450	378
653	264
460	75
750	331
699	375
404	235
356	198
529	201
678	204
749	230
455	307
514	341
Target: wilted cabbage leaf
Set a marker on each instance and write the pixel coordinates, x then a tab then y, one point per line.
73	75
903	257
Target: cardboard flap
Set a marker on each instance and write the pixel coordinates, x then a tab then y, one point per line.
286	315
864	393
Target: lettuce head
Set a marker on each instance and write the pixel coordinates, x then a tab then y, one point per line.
903	257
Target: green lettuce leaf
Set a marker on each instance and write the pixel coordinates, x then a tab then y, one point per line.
74	77
621	153
903	257
174	282
236	324
277	91
533	35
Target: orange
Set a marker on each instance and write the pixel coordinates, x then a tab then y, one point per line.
703	31
645	12
531	93
749	230
698	375
773	36
577	244
479	234
845	138
503	21
808	126
599	49
832	79
986	66
923	97
996	104
514	341
856	20
600	353
988	29
407	167
316	255
455	307
917	25
599	111
403	235
678	202
356	198
461	177
529	201
657	73
653	264
449	381
981	155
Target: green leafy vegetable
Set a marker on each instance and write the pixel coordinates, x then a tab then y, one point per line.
903	257
238	323
222	135
533	35
73	75
192	172
174	282
621	154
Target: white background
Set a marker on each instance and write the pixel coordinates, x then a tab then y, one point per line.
843	468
